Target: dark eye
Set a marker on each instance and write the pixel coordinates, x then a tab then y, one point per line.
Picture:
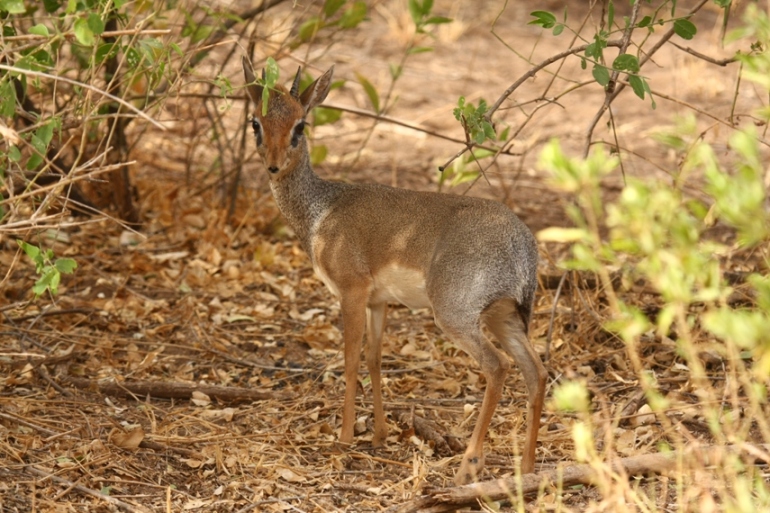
257	130
299	130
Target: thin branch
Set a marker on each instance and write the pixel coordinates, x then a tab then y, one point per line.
230	23
702	112
114	98
609	99
107	33
532	72
626	42
553	315
66	181
718	62
388	119
451	499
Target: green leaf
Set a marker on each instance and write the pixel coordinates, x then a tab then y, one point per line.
51	5
558	29
685	29
610	14
601	75
646	22
104	51
593	50
39	29
65	265
419	49
637	84
41	286
14	155
12	6
415	11
464	177
332	6
272	73
437	20
32	251
543	18
271	78
324	116
72	7
395	71
370	91
489	130
36	158
54	278
647	88
556	234
310	28
479	154
95	23
7	99
353	15
318	154
40	141
83	32
45	133
626	62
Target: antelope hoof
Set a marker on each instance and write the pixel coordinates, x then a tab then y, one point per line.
378	439
469	470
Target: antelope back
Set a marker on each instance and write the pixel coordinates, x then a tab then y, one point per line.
280	132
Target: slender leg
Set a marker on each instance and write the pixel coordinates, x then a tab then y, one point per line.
494	365
375	321
507	326
353	324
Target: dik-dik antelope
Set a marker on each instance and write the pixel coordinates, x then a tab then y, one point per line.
471	260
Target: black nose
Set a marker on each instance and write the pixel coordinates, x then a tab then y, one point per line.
273	169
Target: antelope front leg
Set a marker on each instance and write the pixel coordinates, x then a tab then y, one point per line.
376	323
353	324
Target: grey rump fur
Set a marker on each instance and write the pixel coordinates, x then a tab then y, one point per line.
472	260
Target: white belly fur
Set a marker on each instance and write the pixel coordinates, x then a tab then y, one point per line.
394	284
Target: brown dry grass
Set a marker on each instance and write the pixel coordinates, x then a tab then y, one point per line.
200	300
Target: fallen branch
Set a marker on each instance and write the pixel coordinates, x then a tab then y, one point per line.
172	390
450	499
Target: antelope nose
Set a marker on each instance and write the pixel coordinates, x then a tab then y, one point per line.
272	169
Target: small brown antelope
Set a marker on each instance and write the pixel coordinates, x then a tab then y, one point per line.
471	260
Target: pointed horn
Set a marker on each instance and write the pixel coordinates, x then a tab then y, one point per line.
263	76
295	86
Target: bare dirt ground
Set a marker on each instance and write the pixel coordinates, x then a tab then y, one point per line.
202	301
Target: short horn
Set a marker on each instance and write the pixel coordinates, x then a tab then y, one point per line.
263	76
295	85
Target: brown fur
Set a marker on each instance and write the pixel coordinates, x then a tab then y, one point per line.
471	260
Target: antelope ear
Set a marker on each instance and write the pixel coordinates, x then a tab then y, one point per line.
317	91
252	88
295	85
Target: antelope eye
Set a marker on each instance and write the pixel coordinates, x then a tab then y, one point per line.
257	130
299	130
